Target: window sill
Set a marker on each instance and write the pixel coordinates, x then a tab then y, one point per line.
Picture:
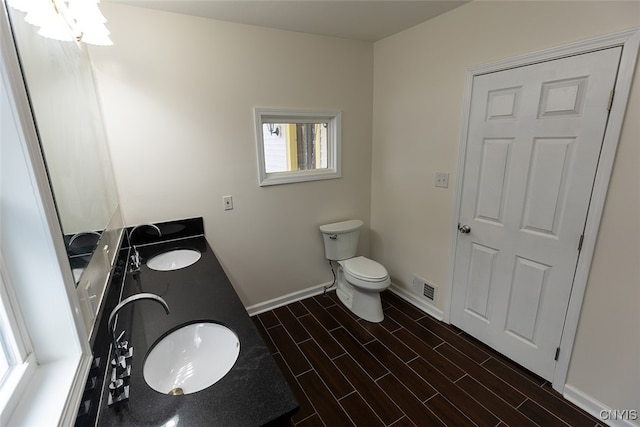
299	176
52	396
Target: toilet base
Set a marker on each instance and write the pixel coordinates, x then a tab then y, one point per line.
366	305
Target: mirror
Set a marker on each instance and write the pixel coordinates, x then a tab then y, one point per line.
63	98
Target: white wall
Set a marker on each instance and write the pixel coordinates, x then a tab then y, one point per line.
418	89
178	94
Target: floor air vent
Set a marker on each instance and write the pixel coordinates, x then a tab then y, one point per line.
424	288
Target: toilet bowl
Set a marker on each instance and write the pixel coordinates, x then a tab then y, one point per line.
359	283
359	280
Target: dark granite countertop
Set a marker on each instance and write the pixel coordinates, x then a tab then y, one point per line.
253	393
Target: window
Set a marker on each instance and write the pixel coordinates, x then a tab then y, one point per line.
16	360
8	351
297	146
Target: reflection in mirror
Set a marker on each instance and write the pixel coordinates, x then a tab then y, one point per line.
63	98
80	247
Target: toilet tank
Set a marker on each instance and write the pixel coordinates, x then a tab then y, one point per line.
341	239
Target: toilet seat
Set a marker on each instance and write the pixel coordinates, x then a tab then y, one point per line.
365	273
365	269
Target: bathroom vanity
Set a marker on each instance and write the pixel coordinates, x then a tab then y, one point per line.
252	393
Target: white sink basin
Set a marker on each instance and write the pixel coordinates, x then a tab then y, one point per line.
191	358
174	260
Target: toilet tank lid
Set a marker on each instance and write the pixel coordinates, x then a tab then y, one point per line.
341	227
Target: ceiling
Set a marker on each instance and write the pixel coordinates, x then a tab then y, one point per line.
367	20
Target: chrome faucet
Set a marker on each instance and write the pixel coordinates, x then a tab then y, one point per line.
135	257
144	225
82	233
118	348
122	352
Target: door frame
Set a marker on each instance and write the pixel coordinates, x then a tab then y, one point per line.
630	42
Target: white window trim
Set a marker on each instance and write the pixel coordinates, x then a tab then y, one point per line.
22	372
334	148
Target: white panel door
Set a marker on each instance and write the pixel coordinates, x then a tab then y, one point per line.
534	140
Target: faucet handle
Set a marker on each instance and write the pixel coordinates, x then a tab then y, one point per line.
121	371
116	388
135	261
118	393
122	358
119	362
125	351
119	346
123	348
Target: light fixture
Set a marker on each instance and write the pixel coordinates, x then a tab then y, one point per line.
273	129
66	20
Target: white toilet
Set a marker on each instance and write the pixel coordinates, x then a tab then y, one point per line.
359	280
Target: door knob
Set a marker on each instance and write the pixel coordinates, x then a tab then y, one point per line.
464	229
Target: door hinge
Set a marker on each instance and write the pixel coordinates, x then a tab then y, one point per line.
557	354
580	242
611	99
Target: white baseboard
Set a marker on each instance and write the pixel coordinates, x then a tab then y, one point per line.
416	301
318	289
597	409
286	299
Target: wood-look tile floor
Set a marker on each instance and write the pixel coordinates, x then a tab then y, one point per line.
408	370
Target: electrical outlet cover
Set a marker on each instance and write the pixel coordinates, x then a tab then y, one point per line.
442	179
227	202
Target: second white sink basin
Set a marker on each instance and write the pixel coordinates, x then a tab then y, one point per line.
174	260
191	358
